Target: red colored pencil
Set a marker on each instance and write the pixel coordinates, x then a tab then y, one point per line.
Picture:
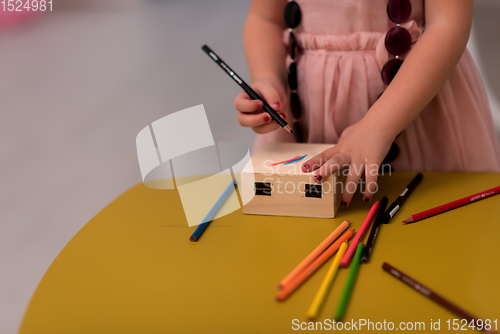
452	205
359	236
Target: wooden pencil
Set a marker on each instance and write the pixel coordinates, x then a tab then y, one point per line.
305	274
452	205
213	211
315	253
325	287
359	236
424	290
374	231
344	299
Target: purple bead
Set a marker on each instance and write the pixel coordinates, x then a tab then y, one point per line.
390	69
399	11
398	41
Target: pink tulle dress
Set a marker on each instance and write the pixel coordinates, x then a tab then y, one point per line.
341	55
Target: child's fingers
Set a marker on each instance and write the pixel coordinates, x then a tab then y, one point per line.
266	128
253	120
351	183
331	166
243	103
318	160
371	175
272	97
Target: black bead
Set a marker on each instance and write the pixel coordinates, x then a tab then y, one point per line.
392	154
292	76
295	105
385	169
297	130
292	45
292	14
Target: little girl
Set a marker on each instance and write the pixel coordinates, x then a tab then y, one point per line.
434	110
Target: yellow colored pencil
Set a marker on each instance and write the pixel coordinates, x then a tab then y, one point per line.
325	287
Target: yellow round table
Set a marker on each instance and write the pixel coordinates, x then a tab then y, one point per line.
132	268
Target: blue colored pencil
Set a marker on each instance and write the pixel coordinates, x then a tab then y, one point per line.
213	211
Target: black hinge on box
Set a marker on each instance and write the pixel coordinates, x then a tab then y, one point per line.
263	188
313	190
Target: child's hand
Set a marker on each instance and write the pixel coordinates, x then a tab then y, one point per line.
252	115
361	146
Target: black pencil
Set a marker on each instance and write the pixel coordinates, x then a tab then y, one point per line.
374	232
396	205
251	93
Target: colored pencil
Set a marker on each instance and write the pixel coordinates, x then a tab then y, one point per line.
359	236
251	93
396	205
374	231
213	211
305	274
350	283
424	290
315	253
325	287
452	205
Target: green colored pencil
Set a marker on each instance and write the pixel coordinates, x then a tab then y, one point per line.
350	282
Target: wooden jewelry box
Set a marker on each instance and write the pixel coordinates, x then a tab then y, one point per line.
275	179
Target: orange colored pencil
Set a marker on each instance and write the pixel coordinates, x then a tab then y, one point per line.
305	274
315	253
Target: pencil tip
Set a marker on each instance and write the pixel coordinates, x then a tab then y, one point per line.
408	220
